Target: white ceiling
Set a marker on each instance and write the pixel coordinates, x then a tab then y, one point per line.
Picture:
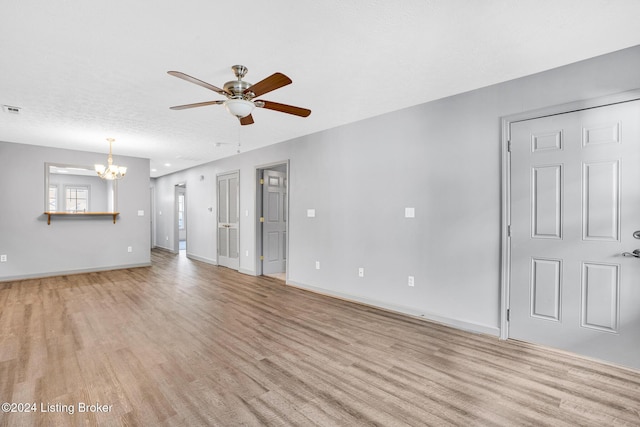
83	70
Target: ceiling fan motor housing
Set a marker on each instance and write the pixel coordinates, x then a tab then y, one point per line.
236	87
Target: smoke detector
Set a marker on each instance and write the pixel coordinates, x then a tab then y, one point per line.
10	109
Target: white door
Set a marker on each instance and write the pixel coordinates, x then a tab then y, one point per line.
228	221
274	225
575	204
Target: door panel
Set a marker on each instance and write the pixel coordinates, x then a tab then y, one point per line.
228	221
600	303
223	242
600	202
545	288
546	193
575	203
274	196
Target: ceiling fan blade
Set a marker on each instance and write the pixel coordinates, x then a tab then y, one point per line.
273	82
197	104
284	108
248	120
188	78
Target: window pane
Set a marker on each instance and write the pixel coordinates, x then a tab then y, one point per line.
181	211
53	198
77	199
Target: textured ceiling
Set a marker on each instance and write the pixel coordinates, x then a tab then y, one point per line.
83	71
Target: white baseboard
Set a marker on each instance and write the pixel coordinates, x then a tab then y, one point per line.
248	272
202	259
458	324
162	248
70	272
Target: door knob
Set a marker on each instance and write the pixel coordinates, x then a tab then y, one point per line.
635	253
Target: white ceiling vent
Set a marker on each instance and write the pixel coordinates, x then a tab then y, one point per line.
10	109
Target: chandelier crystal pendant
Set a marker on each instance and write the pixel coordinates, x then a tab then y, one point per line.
112	171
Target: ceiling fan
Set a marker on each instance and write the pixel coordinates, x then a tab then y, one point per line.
240	95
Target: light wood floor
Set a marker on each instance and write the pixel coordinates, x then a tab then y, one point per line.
184	343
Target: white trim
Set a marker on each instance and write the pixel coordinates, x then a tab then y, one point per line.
407	311
163	248
202	259
505	171
247	272
70	272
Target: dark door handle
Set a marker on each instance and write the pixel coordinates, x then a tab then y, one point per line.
635	253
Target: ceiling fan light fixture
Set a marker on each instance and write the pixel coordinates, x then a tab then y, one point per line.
239	107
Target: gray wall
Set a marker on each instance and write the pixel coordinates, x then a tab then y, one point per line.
68	245
442	158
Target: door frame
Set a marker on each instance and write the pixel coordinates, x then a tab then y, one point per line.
176	232
259	212
152	216
218	175
505	181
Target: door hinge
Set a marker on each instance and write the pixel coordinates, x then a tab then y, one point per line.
261	181
261	257
261	219
508	314
508	231
509	146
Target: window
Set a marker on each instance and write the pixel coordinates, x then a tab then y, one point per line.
76	198
181	211
53	198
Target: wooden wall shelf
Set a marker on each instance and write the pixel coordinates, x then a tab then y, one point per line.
49	214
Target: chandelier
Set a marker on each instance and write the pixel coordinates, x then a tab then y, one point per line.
112	171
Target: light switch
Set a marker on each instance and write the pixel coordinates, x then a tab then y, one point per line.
140	213
409	212
311	213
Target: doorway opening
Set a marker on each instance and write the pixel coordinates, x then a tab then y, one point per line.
180	234
272	220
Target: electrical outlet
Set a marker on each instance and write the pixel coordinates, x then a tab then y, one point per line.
246	253
130	249
411	281
166	238
317	265
361	272
3	258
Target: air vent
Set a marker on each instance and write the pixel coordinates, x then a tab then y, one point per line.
10	109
